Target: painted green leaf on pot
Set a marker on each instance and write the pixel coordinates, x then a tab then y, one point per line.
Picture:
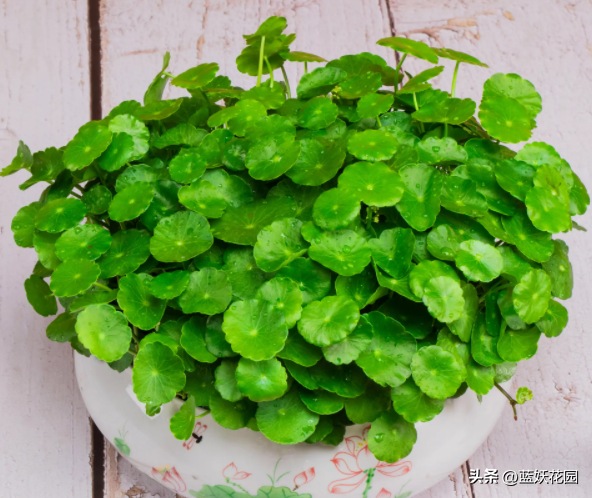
241	225
73	277
286	420
335	209
452	111
506	119
414	405
374	184
89	143
313	279
196	77
533	243
23	224
83	242
255	329
531	296
261	380
208	292
278	244
479	261
285	296
479	378
60	214
410	47
183	422
318	162
180	237
319	82
343	251
321	401
444	299
328	321
554	320
104	331
386	360
391	437
517	345
372	145
437	372
168	285
317	113
40	296
420	203
226	383
131	202
140	307
187	166
513	86
129	249
193	340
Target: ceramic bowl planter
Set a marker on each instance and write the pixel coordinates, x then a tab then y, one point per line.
217	462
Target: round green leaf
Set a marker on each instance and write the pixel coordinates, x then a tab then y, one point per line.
158	374
391	437
278	244
479	378
164	204
60	214
335	209
547	204
23	224
182	134
301	374
374	184
359	85
183	422
319	82
40	296
286	420
317	113
321	401
559	269
299	351
125	123
531	296
372	145
461	196
272	156
363	288
348	381
140	307
261	380
285	296
230	415
208	292
369	406
343	251
271	98
104	331
393	251
313	280
193	340
411	47
463	326
196	77
241	225
448	53
554	320
131	202
452	111
483	345
434	150
328	321
479	261
249	111
374	104
88	144
232	188
413	405
443	243
437	372
513	86
168	285
444	299
180	237
73	277
44	244
187	166
317	163
121	151
386	360
515	177
533	243
506	119
518	345
420	203
350	348
83	242
255	329
129	249
426	270
62	328
93	297
226	383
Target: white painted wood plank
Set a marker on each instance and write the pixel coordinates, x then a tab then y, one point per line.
549	43
44	97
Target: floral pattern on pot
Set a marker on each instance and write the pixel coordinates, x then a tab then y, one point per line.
360	465
169	477
196	436
303	478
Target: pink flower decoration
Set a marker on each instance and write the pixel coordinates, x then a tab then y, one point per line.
198	430
231	472
384	494
304	477
354	463
170	477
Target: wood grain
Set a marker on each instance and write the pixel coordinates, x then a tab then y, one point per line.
44	97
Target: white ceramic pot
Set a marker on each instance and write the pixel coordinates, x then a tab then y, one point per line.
218	462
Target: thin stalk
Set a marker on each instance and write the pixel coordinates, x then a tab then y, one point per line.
135	333
270	72
397	70
74	194
204	95
512	401
201	415
379	123
101	286
453	89
286	82
445	130
261	56
417	109
305	67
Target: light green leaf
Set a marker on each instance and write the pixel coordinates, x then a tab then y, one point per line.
535	244
513	86
60	214
420	203
343	251
313	279
139	306
560	271
413	405
83	242
374	184
183	422
372	145
479	261
226	383
168	285
531	296
391	437
517	345
209	292
437	372
40	296
554	320
285	296
104	331
335	209
196	77
444	299
193	340
89	143
73	277
506	119
271	156
129	249
318	162
278	244
261	380
328	321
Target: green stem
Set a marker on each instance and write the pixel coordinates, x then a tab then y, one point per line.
453	89
397	70
204	95
99	175
74	194
101	286
445	130
166	73
368	487
496	287
417	109
261	56
287	83
512	401
204	414
379	123
305	67
270	72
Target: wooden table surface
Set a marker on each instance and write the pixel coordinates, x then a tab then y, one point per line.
65	61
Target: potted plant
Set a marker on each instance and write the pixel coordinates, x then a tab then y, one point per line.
345	255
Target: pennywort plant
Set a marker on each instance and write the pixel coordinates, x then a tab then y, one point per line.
356	248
